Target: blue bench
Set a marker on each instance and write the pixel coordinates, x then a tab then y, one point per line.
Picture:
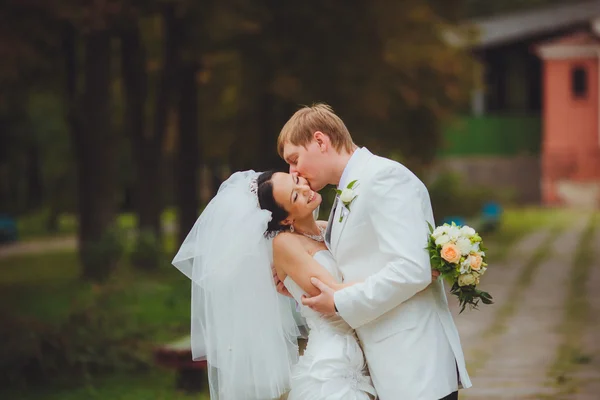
488	220
491	215
8	229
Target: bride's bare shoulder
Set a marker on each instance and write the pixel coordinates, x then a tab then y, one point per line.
285	240
289	245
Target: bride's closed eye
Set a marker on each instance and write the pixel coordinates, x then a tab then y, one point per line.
296	194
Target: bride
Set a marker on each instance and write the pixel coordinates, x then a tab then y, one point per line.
240	325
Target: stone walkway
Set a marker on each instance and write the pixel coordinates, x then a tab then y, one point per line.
587	377
511	345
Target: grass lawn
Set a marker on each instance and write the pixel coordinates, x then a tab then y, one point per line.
146	308
34	225
155	385
47	287
517	222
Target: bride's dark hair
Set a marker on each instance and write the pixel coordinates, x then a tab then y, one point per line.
267	202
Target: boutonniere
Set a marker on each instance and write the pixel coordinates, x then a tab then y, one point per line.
347	196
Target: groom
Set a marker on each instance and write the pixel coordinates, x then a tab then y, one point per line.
377	232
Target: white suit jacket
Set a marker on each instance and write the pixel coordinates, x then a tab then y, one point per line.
408	335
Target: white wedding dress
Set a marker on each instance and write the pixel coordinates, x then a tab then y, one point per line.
333	365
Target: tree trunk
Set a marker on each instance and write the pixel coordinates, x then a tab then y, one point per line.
188	154
145	148
35	186
95	151
147	140
248	150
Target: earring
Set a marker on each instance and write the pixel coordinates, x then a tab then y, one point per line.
292	228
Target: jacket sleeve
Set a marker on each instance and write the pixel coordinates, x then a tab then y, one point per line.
397	214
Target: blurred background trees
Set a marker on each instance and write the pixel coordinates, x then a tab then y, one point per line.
111	106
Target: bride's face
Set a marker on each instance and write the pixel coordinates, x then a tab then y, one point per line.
295	195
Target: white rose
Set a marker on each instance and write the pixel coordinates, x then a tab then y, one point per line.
466	280
464	245
467	231
454	232
475	248
347	195
439	231
442	240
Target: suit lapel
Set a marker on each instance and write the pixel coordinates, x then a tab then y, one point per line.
338	227
330	223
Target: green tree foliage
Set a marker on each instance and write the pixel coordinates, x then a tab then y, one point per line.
150	91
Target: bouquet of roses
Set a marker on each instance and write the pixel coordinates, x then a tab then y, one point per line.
457	252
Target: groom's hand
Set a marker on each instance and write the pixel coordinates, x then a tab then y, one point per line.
324	302
434	277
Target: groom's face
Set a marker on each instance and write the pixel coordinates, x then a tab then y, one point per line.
307	162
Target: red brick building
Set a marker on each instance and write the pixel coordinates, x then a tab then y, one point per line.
534	124
570	119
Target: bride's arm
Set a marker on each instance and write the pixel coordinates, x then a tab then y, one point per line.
290	256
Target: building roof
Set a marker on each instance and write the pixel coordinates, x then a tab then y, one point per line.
575	39
515	26
575	45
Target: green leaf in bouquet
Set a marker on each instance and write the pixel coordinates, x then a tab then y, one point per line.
430	229
470	296
486	298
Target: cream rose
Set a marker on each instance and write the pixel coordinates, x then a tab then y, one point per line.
476	261
466	280
450	253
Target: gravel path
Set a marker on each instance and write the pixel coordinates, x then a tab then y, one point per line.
510	349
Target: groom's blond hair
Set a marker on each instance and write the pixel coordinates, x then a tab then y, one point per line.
301	127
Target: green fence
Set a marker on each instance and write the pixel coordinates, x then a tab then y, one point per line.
492	135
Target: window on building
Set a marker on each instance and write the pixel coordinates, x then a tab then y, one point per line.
579	82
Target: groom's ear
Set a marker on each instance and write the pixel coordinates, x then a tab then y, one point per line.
322	140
